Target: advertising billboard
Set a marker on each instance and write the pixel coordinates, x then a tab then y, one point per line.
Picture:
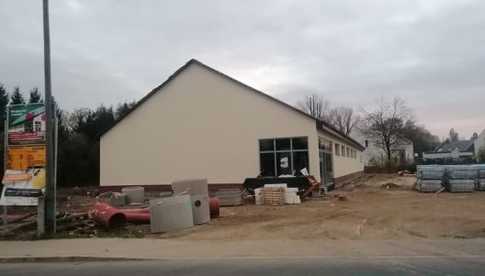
25	156
25	151
26	124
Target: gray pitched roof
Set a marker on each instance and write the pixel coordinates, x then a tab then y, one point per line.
462	146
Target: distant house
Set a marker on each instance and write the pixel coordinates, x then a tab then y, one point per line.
373	155
462	151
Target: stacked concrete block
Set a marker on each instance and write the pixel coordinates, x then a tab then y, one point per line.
430	178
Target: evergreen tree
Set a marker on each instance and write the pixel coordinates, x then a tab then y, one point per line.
17	97
123	109
3	114
3	104
35	96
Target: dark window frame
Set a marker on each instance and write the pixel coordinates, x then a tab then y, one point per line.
291	151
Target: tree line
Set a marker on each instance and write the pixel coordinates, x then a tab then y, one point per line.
78	135
387	124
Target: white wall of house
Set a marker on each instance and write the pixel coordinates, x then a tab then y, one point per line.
373	153
479	142
201	124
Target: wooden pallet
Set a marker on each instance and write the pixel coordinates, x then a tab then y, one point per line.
274	196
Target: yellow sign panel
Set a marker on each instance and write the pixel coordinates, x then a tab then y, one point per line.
23	157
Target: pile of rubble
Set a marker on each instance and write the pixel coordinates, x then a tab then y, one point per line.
24	226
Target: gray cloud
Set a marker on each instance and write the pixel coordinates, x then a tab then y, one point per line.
429	52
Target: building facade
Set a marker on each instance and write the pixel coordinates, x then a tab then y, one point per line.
202	123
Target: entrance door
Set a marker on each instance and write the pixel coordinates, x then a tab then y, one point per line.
326	163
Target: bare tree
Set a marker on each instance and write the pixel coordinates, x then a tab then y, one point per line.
344	119
316	106
385	125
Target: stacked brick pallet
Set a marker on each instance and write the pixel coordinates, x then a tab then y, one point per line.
274	194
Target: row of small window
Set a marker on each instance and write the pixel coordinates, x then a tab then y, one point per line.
341	150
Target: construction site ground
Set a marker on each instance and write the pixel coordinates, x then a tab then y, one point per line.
374	207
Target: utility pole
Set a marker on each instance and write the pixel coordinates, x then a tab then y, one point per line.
50	189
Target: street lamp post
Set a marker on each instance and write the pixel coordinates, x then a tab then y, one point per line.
50	190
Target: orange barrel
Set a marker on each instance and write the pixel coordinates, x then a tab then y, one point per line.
214	207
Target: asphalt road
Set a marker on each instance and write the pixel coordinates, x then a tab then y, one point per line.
249	266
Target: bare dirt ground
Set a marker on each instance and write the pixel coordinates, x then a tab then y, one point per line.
375	207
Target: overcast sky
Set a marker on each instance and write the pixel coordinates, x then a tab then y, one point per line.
430	52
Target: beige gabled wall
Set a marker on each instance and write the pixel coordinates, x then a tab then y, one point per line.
199	125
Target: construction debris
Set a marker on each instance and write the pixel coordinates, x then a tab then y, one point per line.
390	186
109	216
26	227
114	198
229	196
341	197
314	186
134	195
214	207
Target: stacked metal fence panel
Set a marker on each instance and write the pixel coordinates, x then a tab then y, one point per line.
461	178
430	178
480	177
456	178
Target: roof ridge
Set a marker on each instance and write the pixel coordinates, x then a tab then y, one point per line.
195	61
